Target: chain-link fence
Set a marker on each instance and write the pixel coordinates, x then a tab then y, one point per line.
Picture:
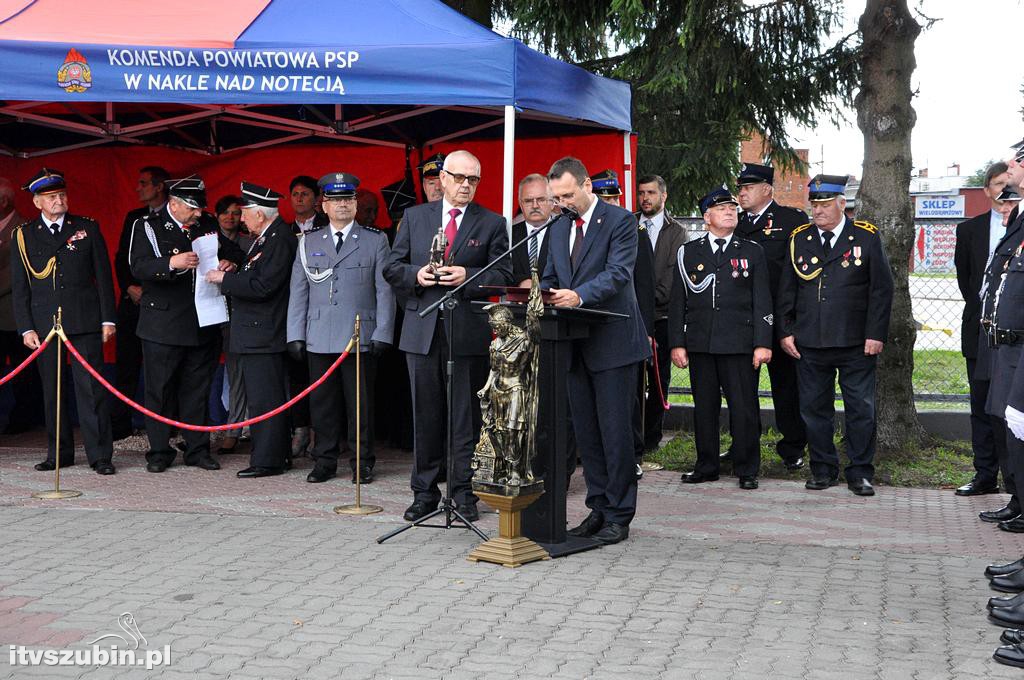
940	372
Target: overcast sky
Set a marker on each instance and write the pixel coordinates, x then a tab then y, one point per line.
969	76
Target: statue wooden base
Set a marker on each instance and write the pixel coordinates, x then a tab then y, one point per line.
510	548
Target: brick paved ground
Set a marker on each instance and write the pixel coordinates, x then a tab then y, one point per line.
259	579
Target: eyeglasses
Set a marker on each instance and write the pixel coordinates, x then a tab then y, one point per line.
459	179
536	201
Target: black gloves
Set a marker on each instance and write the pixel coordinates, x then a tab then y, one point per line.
297	349
377	347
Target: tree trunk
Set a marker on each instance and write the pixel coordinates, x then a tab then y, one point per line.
886	118
477	10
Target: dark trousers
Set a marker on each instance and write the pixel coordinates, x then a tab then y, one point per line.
786	399
334	403
1014	469
988	436
178	376
128	367
26	388
427	376
265	378
711	375
816	371
655	408
639	419
602	410
393	406
91	397
298	380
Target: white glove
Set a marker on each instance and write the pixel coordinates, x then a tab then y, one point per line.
1015	421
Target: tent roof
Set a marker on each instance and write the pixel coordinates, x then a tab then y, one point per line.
276	52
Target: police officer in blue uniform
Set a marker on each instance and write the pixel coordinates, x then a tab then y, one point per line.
720	326
833	309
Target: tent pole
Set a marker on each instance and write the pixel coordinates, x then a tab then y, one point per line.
627	167
509	165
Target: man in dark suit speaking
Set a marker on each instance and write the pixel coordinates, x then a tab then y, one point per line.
475	236
590	265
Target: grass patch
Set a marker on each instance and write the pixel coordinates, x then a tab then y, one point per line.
937	465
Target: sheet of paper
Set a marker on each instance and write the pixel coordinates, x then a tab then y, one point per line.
211	306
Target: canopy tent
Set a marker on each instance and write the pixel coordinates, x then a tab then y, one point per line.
213	78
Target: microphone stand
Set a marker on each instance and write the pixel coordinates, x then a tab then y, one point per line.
447	304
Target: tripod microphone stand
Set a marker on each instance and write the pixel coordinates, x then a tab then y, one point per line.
448	303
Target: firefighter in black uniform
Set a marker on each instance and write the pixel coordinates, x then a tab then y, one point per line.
259	314
833	309
720	326
60	260
178	355
769	224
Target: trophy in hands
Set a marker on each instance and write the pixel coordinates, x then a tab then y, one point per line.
438	245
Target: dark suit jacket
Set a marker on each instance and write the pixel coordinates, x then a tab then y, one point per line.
670	238
991	277
732	316
843	305
7	322
772	231
521	255
259	292
81	284
644	284
970	256
603	280
481	238
167	310
123	270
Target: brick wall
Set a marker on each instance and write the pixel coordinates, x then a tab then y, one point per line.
790	187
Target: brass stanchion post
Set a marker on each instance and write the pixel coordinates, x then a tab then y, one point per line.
57	493
358	508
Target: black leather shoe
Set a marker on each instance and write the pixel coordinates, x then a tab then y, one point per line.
820	483
320	474
588	527
49	466
418	510
612	533
1006	602
1001	515
976	488
861	487
1004	569
748	482
256	471
104	467
1010	655
206	463
1014	526
795	464
365	476
1009	583
468	512
1012	636
1007	617
697	478
156	466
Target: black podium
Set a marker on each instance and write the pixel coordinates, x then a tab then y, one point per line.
544	521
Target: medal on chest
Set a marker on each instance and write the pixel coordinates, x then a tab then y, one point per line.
768	227
846	260
856	255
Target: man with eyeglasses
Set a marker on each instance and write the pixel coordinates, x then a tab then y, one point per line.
152	192
536	203
475	236
59	261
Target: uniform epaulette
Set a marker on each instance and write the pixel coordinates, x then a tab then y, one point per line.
799	229
373	229
23	224
315	227
866	226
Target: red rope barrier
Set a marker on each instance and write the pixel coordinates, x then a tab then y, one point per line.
657	375
28	360
202	428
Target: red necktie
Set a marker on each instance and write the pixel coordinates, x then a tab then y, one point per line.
450	231
577	245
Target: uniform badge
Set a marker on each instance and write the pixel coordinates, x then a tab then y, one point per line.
174	251
700	267
809	237
846	260
856	255
768	227
735	268
318	255
804	267
814	260
800	260
770	319
693	277
745	265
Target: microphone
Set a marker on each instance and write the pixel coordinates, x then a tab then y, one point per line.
568	212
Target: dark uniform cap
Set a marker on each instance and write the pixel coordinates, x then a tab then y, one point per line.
717	197
255	196
751	173
1008	194
826	187
338	185
190	191
46	181
432	166
606	183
